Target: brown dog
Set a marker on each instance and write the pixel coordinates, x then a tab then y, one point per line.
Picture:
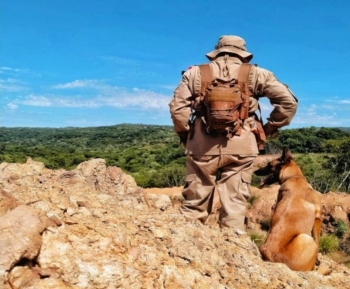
296	221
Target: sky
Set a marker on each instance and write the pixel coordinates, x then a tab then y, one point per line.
83	63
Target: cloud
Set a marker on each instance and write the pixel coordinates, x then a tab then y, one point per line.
306	120
170	87
139	98
15	72
5	69
320	115
122	61
91	83
120	98
33	100
11	85
15	79
323	113
104	95
12	106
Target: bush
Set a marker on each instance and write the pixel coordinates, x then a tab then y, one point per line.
169	177
328	244
255	181
344	245
340	228
143	178
252	200
257	238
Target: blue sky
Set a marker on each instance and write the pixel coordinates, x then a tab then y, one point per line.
93	63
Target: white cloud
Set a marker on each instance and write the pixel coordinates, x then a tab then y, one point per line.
306	120
15	72
336	101
116	97
11	85
90	83
12	106
122	61
140	98
5	69
320	115
105	95
170	87
33	100
324	113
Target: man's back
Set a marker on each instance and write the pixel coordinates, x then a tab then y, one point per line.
212	158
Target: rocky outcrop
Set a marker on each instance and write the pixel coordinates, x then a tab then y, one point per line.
92	227
335	207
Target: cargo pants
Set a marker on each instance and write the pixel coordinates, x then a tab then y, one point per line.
232	176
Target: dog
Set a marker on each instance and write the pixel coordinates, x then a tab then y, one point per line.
296	222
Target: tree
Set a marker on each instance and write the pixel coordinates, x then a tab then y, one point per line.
339	162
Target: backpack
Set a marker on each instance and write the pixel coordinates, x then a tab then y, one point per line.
224	104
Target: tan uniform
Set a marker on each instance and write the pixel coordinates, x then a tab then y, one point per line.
214	159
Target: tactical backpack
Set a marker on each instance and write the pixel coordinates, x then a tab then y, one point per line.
224	104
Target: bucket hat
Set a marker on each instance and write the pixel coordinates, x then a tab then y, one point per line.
233	44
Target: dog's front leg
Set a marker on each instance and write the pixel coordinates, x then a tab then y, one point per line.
316	230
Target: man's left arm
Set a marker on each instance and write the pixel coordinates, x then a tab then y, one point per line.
284	102
180	105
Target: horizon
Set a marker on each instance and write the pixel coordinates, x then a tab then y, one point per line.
346	128
90	64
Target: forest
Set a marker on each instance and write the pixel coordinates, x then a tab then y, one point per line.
153	155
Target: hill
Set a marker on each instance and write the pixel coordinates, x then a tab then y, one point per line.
152	154
93	227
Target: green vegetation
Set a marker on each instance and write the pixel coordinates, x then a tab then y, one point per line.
307	140
341	228
328	244
258	238
323	155
252	200
154	157
152	154
336	242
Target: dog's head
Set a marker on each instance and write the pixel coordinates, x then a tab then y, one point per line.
272	169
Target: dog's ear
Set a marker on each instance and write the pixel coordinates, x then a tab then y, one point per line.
286	155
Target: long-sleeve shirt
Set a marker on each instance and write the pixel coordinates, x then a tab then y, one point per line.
262	83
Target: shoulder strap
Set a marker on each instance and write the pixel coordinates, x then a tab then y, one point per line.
243	74
243	79
206	76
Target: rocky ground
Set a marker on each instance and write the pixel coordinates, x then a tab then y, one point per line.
92	227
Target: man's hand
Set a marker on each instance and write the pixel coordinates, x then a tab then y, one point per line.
271	131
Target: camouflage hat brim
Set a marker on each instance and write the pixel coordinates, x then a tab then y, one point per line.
231	49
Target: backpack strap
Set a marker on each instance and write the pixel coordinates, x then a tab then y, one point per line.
206	77
243	74
243	79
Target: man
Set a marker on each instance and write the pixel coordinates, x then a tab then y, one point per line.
212	158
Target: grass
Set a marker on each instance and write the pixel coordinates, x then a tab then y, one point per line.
328	244
340	257
257	238
341	228
252	200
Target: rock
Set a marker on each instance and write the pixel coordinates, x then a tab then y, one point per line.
92	227
20	231
7	202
